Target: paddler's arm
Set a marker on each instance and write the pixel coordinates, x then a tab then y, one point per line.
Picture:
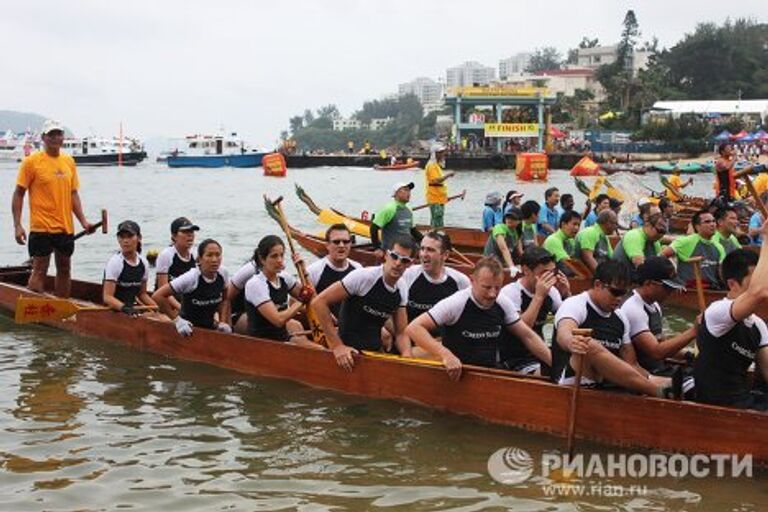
17	202
419	332
108	296
402	341
144	297
532	341
587	256
334	294
164	299
77	209
439	181
416	234
658	350
501	243
757	291
543	285
225	313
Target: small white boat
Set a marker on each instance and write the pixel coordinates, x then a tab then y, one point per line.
97	151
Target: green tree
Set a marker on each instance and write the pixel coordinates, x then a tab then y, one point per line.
544	59
295	124
329	111
308	117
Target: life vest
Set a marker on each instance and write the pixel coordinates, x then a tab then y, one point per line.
731	183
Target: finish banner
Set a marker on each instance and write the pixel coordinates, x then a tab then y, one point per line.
511	129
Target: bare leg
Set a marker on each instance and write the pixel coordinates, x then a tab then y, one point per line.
301	340
40	266
388	335
601	362
63	275
241	326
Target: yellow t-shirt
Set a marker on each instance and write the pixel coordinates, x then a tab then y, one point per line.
676	182
50	182
436	194
761	183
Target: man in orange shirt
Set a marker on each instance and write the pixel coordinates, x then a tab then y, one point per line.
51	179
437	192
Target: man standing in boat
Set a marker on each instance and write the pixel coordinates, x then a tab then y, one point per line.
51	178
472	322
725	178
394	220
437	191
732	336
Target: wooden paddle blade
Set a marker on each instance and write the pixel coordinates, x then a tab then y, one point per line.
329	217
41	309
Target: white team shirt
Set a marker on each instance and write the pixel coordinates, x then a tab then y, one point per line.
257	288
360	281
448	311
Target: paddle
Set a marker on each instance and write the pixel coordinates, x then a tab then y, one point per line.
41	309
744	174
696	260
575	393
329	217
450	198
275	210
101	224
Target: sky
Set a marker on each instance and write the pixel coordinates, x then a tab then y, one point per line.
168	68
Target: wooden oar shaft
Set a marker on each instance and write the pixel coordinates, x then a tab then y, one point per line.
696	261
450	198
753	191
579	371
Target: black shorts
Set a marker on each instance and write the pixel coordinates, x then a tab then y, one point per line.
43	244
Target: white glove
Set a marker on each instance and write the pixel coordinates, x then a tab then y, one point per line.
183	327
222	327
514	271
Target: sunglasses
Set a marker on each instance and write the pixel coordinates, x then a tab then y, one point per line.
397	257
341	241
617	292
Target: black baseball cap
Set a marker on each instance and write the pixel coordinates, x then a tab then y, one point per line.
659	268
514	213
183	224
128	226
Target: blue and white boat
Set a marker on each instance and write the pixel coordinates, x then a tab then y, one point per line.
214	151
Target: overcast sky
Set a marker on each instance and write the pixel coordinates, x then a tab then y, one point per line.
174	67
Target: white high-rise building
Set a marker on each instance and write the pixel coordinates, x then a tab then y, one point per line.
429	92
514	66
468	74
593	58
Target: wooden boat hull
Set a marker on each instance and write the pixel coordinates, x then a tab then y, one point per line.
396	167
532	404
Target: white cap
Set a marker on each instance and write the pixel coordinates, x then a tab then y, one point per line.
643	201
50	125
400	185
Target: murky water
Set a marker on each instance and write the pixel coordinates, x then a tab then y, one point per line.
89	425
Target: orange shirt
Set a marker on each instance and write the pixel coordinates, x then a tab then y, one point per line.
50	182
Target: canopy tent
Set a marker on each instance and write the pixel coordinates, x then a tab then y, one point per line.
748	138
740	135
725	135
760	135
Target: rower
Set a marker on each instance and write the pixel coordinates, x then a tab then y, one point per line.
370	296
698	244
235	295
336	264
727	227
472	322
513	199
177	258
639	243
126	273
535	295
394	220
667	208
608	353
592	244
756	221
431	281
732	337
492	212
550	215
677	183
638	220
602	202
437	191
566	203
657	280
203	293
562	243
528	232
266	297
504	241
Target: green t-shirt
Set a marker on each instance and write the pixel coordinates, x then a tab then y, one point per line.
560	246
693	245
593	239
635	243
729	244
395	219
492	248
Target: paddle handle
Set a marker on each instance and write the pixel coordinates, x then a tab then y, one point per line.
744	174
462	257
696	261
103	224
450	198
579	370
